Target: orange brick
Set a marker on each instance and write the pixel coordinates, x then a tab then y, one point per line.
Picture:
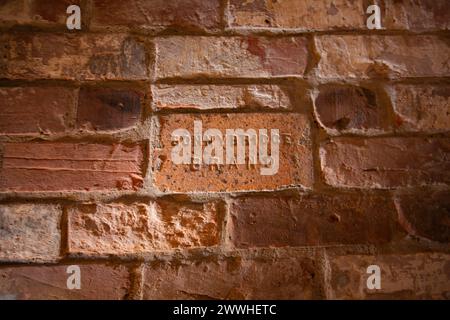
294	164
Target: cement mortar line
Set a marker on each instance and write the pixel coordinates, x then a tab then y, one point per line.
134	137
409	246
73	197
111	196
158	32
306	82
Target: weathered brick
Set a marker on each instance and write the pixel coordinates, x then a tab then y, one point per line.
70	166
108	109
220	57
416	14
29	232
101	229
426	214
349	107
12	12
274	277
294	165
360	56
36	12
423	108
411	276
158	14
50	11
385	162
294	14
312	220
338	15
98	281
72	56
34	110
207	97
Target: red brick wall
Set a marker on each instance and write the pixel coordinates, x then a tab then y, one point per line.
86	176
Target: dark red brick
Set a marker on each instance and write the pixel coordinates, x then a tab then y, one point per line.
158	14
108	109
349	107
426	214
312	220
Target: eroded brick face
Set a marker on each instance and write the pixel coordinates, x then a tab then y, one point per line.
123	107
158	14
349	107
30	232
426	216
141	228
210	97
45	13
222	57
224	149
393	56
407	276
338	15
72	57
385	162
421	108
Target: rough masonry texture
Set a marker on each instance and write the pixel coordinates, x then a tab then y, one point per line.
90	146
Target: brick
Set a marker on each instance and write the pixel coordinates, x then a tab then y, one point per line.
220	57
70	166
194	15
312	220
293	14
385	162
29	232
208	97
36	110
122	107
102	229
343	108
421	108
356	56
416	15
426	214
36	12
294	160
12	12
72	57
309	15
273	277
48	11
409	276
98	282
